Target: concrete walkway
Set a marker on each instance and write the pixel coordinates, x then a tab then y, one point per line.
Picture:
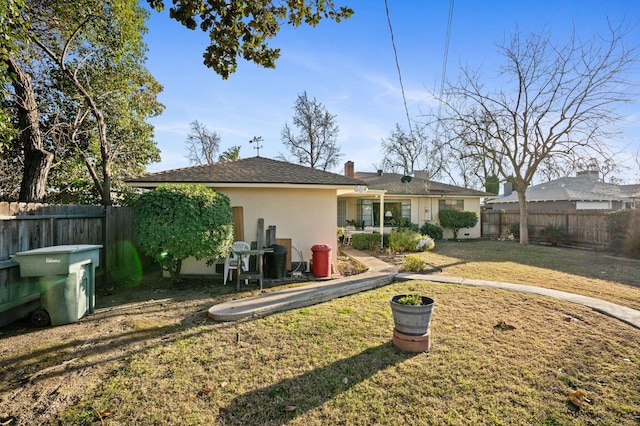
381	273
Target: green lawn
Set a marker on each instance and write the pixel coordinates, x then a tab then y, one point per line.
334	363
157	362
583	272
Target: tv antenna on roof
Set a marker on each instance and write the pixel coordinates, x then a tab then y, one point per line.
257	140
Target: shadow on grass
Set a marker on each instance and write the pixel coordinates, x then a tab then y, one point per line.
283	401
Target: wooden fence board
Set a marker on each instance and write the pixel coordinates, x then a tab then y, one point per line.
584	227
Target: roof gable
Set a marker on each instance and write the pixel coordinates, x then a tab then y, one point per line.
254	170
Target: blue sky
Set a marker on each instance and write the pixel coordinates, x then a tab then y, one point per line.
350	68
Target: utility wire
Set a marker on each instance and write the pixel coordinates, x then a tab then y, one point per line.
446	48
395	54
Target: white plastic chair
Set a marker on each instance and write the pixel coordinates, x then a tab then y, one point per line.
347	234
231	261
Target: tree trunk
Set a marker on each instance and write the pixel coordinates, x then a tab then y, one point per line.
37	161
524	225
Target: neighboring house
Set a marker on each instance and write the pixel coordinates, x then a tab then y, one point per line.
582	192
299	201
390	197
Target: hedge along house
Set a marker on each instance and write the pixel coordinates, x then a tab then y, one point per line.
299	201
390	198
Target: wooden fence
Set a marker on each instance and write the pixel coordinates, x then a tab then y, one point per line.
30	226
586	228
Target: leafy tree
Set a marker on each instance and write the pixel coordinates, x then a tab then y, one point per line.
230	154
457	220
94	90
174	222
316	144
243	27
554	104
202	144
11	30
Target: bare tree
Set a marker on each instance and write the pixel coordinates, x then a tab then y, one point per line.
414	151
316	144
202	144
555	103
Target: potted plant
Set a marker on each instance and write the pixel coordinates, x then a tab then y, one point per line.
412	319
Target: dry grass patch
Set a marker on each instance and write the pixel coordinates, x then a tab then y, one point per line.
334	363
582	272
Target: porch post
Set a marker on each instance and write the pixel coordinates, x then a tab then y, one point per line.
381	220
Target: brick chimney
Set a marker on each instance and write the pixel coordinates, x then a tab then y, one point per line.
348	169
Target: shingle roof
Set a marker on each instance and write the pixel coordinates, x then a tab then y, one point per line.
254	170
568	189
392	182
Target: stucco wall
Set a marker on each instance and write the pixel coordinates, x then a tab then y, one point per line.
307	216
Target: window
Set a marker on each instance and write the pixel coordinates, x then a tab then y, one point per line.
342	212
447	204
369	212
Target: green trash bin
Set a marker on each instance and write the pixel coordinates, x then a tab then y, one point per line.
66	279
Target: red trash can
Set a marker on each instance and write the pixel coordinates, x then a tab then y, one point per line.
321	260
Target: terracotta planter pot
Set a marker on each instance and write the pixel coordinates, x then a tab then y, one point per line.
412	320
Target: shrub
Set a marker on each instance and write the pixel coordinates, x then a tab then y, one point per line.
624	232
403	240
554	234
410	299
457	220
514	229
618	225
631	247
405	223
414	263
368	241
431	229
406	240
174	222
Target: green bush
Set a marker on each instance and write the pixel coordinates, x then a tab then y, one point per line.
403	240
406	240
410	299
554	234
174	222
631	247
624	232
618	224
514	229
431	229
368	241
457	220
405	223
414	263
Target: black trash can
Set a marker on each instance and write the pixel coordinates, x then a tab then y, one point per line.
275	263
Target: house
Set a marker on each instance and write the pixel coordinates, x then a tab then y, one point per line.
299	201
582	192
389	198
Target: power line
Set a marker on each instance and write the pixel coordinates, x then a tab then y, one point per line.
446	48
395	54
